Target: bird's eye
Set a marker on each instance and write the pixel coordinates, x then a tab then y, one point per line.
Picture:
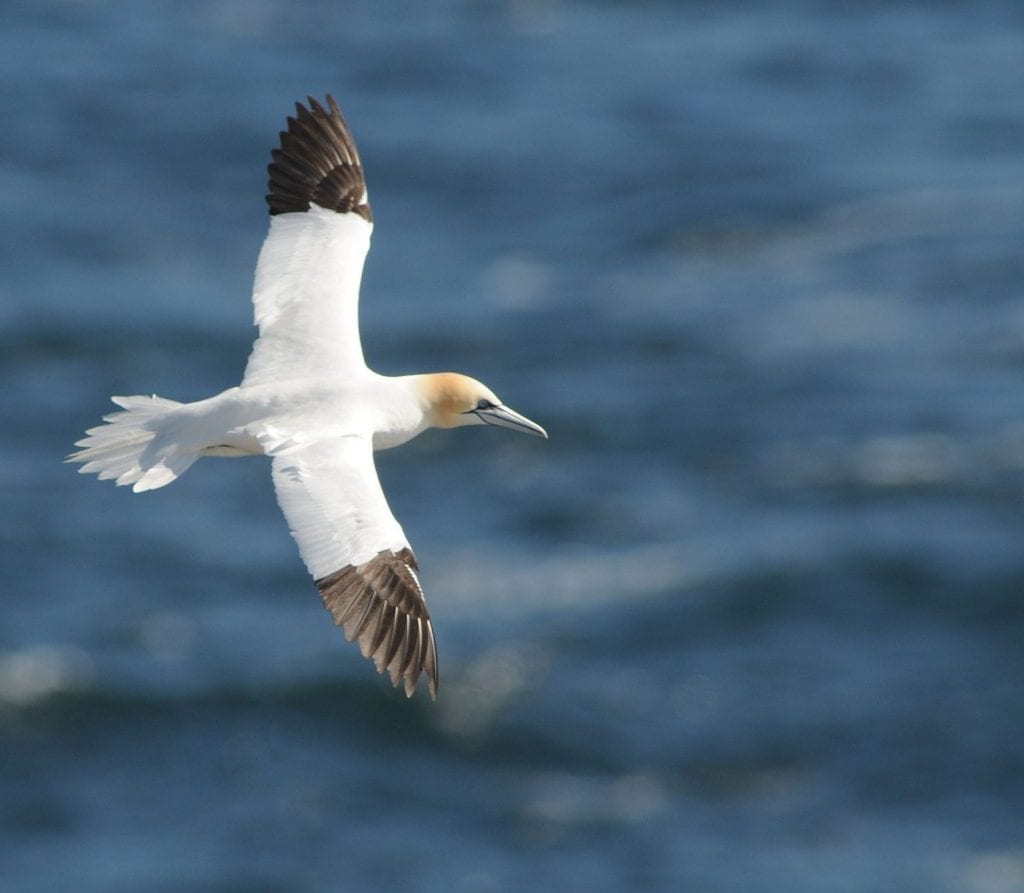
485	404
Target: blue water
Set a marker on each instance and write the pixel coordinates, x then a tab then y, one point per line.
752	619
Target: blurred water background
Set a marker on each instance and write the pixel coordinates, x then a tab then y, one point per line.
751	620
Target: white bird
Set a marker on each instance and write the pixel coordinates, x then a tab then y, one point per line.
309	401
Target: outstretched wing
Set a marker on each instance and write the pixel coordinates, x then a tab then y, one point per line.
358	555
306	294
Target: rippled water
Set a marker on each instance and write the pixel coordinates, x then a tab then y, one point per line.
750	620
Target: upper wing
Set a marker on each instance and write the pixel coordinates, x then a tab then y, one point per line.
358	555
306	294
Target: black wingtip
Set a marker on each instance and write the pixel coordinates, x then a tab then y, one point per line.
317	163
380	605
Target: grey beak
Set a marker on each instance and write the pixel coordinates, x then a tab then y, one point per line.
509	418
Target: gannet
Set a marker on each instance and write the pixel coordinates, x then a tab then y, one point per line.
308	400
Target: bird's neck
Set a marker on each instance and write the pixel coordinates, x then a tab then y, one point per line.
405	410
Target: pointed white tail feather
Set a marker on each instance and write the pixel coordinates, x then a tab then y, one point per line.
117	449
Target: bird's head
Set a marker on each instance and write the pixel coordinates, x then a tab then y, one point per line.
457	400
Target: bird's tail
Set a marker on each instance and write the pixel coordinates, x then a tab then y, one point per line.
127	448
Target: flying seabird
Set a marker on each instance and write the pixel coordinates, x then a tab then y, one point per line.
309	401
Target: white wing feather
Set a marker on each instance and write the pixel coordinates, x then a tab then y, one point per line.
334	504
306	297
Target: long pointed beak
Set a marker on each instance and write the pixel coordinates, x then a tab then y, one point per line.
509	418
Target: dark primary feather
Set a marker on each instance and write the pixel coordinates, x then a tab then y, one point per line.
380	605
317	162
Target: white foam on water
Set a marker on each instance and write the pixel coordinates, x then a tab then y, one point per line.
37	672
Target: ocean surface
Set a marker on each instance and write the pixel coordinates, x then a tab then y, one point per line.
751	620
